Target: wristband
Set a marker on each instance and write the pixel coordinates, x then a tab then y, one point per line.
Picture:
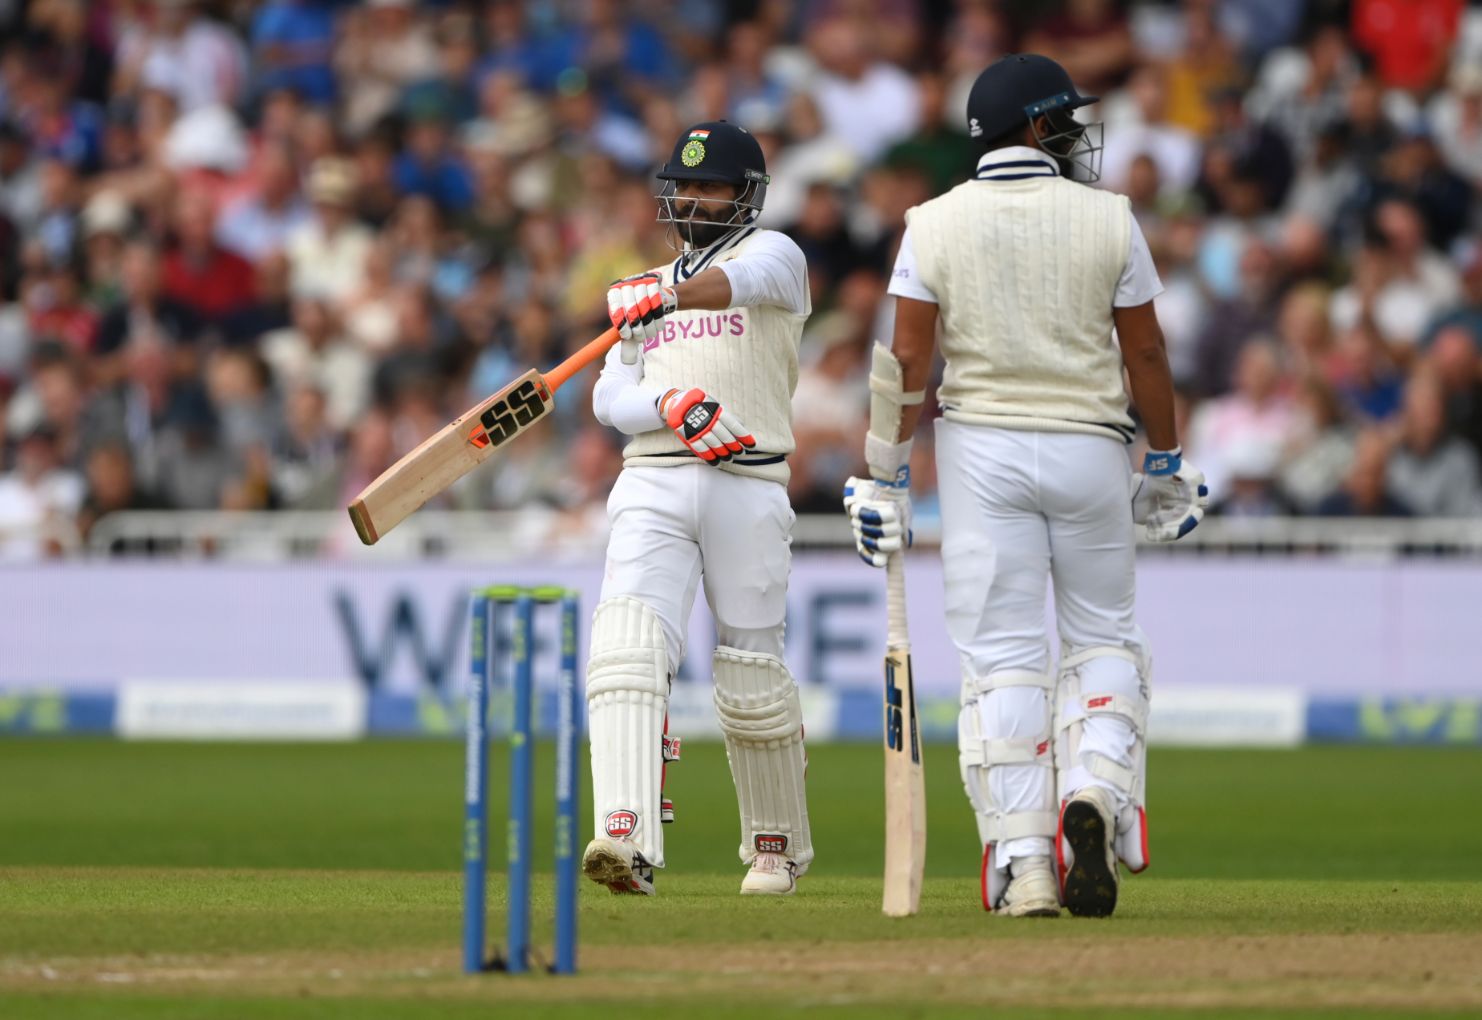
1155	462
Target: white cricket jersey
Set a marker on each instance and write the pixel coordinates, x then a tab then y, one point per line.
745	356
1027	267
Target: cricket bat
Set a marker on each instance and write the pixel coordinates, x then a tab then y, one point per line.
458	448
905	782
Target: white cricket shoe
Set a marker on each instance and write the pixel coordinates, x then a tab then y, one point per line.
1089	826
1032	891
770	875
617	864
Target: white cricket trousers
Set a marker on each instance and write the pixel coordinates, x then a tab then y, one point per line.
1020	508
673	525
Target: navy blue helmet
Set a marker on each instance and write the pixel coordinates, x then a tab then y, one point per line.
1020	89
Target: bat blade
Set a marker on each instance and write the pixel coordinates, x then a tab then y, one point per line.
459	447
905	777
905	791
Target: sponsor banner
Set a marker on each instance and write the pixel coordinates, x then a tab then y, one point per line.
1197	717
1453	721
1333	629
1226	717
54	712
263	710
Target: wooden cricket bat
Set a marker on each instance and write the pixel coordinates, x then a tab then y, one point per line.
458	448
905	782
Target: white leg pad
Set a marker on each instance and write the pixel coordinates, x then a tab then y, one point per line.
761	716
1100	740
1004	745
627	698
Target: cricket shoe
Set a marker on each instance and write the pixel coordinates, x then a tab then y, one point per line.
1032	891
617	864
1090	877
771	874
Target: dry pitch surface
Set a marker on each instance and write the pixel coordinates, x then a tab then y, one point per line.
240	881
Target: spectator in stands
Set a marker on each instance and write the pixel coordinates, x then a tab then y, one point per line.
1138	125
1257	416
1453	357
111	485
199	273
144	312
1091	38
327	254
1365	491
1321	450
39	500
260	223
1435	474
866	103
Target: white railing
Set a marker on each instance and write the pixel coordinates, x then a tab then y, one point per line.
511	535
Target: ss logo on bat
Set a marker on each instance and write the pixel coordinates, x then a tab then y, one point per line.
893	725
504	418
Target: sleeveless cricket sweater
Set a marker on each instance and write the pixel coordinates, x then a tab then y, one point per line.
746	358
1025	272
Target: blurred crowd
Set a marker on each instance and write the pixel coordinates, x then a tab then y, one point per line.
250	253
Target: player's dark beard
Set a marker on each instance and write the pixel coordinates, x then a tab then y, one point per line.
701	226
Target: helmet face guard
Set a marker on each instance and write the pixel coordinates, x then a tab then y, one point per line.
693	232
1076	147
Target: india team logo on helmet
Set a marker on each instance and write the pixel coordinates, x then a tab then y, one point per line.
693	153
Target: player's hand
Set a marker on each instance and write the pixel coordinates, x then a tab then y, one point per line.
637	306
1168	496
880	514
710	431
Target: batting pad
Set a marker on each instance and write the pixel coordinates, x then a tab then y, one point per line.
1101	738
762	719
983	749
627	698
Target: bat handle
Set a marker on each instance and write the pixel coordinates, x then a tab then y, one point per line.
896	633
587	354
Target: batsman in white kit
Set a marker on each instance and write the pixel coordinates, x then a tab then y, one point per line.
703	382
1026	273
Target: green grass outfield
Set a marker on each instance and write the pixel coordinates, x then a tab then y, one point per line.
287	881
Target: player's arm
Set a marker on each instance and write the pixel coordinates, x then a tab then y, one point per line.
1169	494
914	346
1151	380
879	506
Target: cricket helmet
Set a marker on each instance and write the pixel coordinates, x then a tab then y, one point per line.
1020	89
722	152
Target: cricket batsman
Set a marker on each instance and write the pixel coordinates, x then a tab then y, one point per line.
703	382
1027	273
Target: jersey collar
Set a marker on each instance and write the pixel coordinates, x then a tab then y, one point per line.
1015	163
694	261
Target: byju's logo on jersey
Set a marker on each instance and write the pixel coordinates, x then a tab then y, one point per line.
699	326
620	823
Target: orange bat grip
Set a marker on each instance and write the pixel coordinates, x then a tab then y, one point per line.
581	359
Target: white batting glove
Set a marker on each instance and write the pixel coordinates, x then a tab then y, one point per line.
637	306
880	514
710	431
1168	496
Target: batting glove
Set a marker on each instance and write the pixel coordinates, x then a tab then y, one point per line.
1168	496
880	514
710	431
637	306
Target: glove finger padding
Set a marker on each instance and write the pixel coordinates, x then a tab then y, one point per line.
880	517
637	305
743	438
